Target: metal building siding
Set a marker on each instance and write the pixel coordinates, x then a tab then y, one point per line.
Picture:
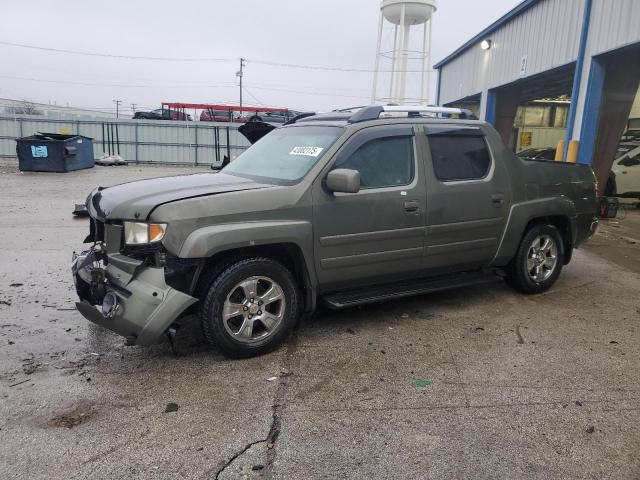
33	127
614	24
9	129
165	134
144	141
548	34
89	130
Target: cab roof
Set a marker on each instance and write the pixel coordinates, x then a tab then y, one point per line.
375	112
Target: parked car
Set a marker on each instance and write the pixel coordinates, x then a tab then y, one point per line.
221	116
538	154
163	114
274	117
624	179
258	126
632	133
345	209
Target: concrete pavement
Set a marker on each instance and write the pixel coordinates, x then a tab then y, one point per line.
474	383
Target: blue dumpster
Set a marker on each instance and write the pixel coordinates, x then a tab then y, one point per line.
54	152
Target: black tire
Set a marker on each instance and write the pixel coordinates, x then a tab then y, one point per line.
518	274
217	331
610	188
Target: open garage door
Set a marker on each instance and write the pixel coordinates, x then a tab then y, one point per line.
531	114
624	172
610	137
471	103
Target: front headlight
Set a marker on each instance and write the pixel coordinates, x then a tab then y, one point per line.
137	233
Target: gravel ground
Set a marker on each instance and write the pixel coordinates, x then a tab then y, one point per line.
474	383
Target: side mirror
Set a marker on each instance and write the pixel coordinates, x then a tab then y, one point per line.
343	180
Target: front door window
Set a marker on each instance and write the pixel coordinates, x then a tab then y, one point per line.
383	162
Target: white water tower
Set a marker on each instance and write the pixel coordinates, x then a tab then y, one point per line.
401	70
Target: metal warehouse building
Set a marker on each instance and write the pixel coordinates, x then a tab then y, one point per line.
554	70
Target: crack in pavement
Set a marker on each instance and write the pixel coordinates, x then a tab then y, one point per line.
233	458
278	406
453	360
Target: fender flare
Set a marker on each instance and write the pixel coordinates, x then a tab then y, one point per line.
521	214
208	241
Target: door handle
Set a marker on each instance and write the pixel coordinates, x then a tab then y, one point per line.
497	199
411	207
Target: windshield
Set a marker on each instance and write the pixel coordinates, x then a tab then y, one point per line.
622	149
285	155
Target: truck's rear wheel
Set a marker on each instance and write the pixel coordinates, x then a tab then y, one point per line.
539	260
250	308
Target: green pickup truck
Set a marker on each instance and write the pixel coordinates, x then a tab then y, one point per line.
344	208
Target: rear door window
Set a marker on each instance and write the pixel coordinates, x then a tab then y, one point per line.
459	156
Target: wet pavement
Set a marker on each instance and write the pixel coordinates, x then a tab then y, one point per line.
618	239
473	383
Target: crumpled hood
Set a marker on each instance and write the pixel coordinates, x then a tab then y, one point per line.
136	200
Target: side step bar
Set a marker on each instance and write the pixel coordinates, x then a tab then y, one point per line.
382	293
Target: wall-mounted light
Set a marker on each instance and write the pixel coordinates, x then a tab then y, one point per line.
485	44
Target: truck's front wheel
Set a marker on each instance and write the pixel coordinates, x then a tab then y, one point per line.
250	308
539	260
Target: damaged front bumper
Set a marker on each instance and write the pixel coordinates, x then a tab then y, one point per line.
135	300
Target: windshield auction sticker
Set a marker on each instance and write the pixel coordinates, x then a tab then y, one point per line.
306	151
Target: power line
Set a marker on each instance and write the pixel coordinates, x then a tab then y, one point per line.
308	93
96	84
109	55
254	97
197	59
320	67
144	85
202	86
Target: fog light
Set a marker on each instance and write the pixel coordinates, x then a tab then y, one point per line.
110	305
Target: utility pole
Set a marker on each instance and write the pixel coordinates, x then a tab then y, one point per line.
117	102
133	108
240	73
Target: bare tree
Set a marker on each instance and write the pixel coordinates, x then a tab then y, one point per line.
24	108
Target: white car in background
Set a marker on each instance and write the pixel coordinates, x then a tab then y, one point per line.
624	180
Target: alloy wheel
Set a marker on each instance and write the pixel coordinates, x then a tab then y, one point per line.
542	258
253	309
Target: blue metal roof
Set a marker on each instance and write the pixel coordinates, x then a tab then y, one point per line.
519	9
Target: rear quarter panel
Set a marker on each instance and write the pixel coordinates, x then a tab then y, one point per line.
542	188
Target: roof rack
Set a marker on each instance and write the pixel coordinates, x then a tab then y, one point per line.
299	117
349	109
373	112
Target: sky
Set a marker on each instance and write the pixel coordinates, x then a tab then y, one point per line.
332	34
